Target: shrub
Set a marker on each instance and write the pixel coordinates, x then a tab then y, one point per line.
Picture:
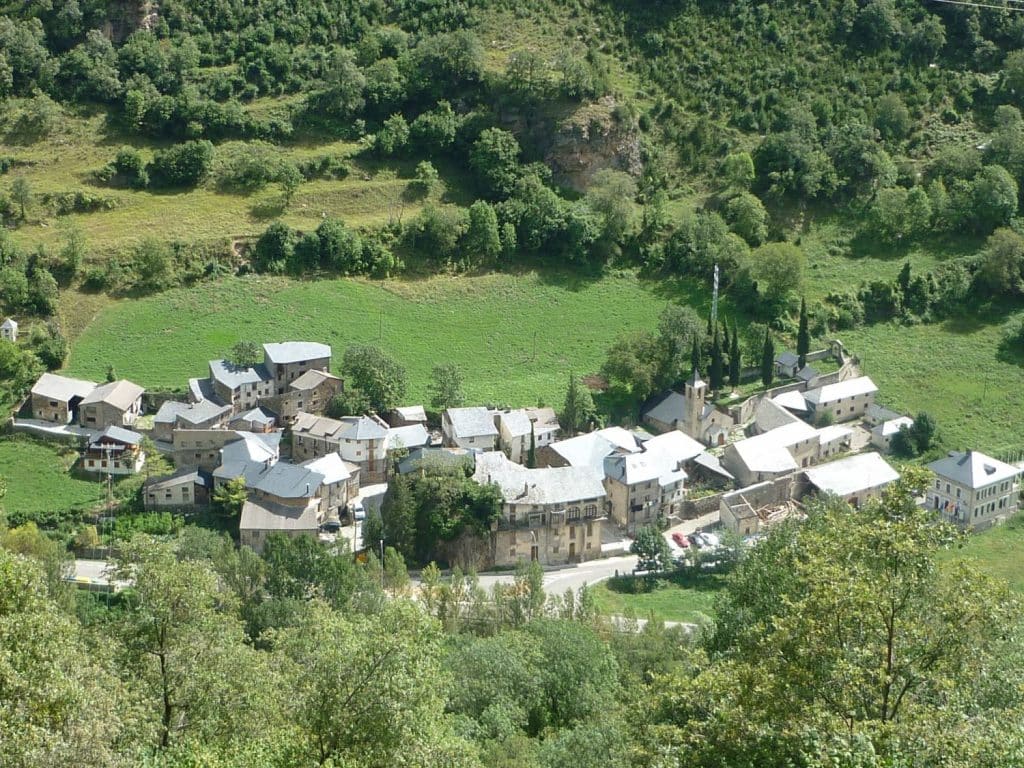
182	165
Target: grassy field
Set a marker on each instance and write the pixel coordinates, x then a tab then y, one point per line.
951	370
677	598
999	552
38	479
516	337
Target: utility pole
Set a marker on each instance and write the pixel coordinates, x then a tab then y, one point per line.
714	301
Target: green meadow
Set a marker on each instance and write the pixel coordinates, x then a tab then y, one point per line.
38	478
515	337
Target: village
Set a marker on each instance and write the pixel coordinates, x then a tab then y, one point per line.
565	498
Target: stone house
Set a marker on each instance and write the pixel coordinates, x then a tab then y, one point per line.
589	449
360	440
855	479
844	401
787	364
553	515
648	486
57	398
772	454
288	361
285	499
470	428
311	392
115	451
9	330
185	488
202	447
258	419
172	415
340	483
247	456
833	440
972	490
117	404
406	416
518	427
240	387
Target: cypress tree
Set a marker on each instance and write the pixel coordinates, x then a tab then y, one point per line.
726	343
716	363
695	357
803	337
531	457
767	360
735	364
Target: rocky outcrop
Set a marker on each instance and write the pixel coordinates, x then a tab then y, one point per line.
594	137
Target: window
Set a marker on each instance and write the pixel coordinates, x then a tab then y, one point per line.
588	545
573	513
511	551
591	510
554	549
512	517
590	530
103	463
572	532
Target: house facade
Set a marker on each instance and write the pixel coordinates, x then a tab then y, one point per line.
972	490
552	515
359	440
288	361
115	404
772	454
116	451
469	428
173	415
883	433
184	489
57	398
844	401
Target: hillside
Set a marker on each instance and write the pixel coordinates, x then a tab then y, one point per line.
145	147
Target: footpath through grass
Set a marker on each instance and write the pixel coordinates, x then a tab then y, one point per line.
38	480
515	337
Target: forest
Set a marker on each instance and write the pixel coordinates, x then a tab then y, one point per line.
844	640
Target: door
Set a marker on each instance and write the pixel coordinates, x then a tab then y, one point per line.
572	551
535	553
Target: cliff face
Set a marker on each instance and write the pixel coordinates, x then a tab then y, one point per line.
592	138
126	16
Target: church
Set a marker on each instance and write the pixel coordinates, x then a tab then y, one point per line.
689	412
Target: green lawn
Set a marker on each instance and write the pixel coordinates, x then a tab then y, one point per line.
38	480
516	337
952	371
680	597
999	552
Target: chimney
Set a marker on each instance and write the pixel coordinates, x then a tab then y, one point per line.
307	489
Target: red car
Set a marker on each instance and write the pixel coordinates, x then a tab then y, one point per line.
679	538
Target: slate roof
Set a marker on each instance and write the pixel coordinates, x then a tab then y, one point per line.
517	423
264	515
190	413
793	401
333	468
548	486
122	435
315	426
832	433
475	421
633	468
787	359
852	474
769	415
183	475
590	449
361	428
9	324
830	393
290	481
668	408
428	458
972	469
807	373
409	437
233	376
411	413
61	388
258	415
202	389
121	394
892	426
311	380
248	448
770	452
675	444
295	352
711	463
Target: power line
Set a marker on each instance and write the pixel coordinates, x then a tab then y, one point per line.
1010	8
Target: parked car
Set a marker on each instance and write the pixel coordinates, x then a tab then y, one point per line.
695	541
709	540
331	526
680	538
357	510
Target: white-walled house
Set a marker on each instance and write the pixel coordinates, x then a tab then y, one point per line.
9	330
973	490
855	479
470	428
844	401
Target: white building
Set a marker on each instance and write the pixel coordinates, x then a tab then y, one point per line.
882	434
469	428
9	330
973	490
772	454
854	479
844	401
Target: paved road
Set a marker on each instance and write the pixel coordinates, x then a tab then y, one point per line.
557	580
